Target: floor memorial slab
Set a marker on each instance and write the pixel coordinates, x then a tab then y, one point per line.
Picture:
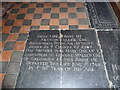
62	59
111	51
101	15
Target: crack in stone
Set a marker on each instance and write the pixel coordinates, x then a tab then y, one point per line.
105	68
61	69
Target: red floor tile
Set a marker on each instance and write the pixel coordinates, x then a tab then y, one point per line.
79	4
3	22
63	4
25	29
35	22
17	6
2	45
46	5
82	15
55	10
83	26
18	22
22	10
64	27
73	22
54	22
32	5
19	46
12	16
12	37
29	16
6	29
72	10
44	27
6	55
63	15
38	10
46	16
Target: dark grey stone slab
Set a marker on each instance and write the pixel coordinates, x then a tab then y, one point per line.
110	44
62	59
101	15
40	56
9	81
82	62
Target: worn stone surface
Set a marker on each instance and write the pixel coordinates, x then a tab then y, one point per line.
40	55
101	15
62	59
82	61
109	41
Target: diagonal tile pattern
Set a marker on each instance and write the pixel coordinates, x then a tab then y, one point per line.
24	17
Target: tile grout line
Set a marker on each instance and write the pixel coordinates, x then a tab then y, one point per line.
104	63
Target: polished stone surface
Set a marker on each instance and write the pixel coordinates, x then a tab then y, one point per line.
101	15
62	59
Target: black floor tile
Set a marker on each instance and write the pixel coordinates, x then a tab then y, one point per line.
72	15
80	9
1	28
9	23
46	10
34	27
27	22
5	17
15	29
30	10
45	21
71	5
39	5
15	11
37	16
3	67
16	56
63	9
22	37
55	15
24	6
20	16
83	21
18	2
54	27
63	21
9	46
4	36
73	26
55	5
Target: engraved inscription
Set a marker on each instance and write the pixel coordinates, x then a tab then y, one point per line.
44	55
78	53
62	59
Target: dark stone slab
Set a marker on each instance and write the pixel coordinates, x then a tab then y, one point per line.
101	15
34	75
82	62
62	59
109	41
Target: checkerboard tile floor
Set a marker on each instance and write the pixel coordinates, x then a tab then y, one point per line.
24	17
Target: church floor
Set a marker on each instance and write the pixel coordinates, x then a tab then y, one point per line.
24	17
70	19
